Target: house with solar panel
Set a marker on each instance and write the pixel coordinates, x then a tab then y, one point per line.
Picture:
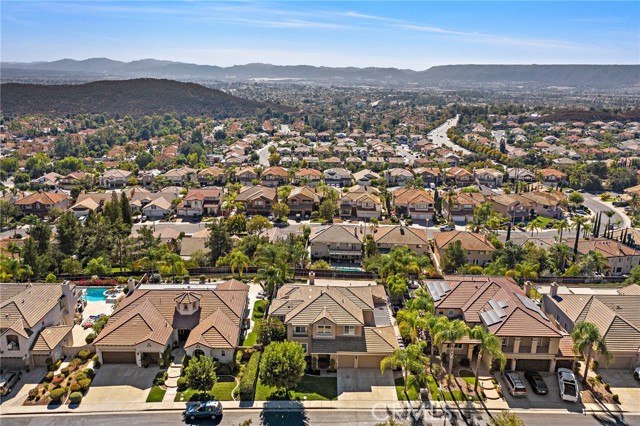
530	340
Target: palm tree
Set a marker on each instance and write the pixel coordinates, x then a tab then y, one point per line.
533	226
432	325
421	301
238	260
410	323
587	337
609	214
450	333
272	277
560	254
488	343
411	360
579	222
561	226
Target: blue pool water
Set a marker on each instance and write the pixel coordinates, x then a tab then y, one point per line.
96	294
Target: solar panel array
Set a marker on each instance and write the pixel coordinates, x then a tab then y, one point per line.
438	289
496	314
530	304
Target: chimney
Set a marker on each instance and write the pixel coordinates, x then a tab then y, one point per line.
527	288
312	278
553	290
131	285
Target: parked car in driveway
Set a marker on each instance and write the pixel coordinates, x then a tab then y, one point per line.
537	382
8	379
568	385
515	385
203	410
448	227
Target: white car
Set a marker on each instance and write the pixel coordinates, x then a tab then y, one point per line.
568	385
636	373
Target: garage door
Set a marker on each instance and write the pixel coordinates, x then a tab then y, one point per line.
346	361
16	363
619	362
533	364
40	360
119	357
369	361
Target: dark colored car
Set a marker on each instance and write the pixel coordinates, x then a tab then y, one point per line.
537	382
203	410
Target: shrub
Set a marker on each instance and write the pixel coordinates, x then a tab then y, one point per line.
84	384
49	376
607	387
33	393
75	363
89	373
595	365
65	371
90	338
75	387
182	383
54	365
591	381
223	369
616	398
599	378
75	397
249	377
160	378
80	376
57	379
56	394
84	354
465	362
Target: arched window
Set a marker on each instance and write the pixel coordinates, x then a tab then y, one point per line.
198	353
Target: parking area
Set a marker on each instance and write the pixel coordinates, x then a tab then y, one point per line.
365	384
21	389
624	385
550	401
120	383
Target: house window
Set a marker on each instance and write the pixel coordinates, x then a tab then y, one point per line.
223	353
350	330
13	344
300	330
324	330
450	314
505	341
198	353
458	346
304	346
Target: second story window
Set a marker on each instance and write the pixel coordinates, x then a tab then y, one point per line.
350	330
299	330
324	330
13	344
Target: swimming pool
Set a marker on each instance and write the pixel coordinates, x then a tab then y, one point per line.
96	294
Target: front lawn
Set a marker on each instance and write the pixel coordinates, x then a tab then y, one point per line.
310	388
221	391
544	222
156	394
252	337
413	389
258	309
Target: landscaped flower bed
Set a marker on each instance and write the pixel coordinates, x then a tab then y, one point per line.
67	387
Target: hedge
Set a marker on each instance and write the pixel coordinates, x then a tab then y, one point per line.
249	378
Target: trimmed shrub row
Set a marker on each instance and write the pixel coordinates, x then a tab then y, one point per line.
248	382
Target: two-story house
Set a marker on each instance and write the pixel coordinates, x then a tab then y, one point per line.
510	206
257	199
398	176
274	176
460	206
246	175
337	177
212	176
459	176
620	257
430	175
303	200
199	202
40	203
478	248
365	177
529	339
552	176
35	323
182	175
339	243
306	176
488	177
417	203
388	237
543	203
115	178
361	205
336	325
159	208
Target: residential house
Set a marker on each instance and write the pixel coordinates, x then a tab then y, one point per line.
511	206
337	177
75	179
460	206
477	246
207	320
182	175
365	177
40	203
459	176
552	176
620	257
160	208
615	315
306	176
274	176
388	237
303	200
199	202
338	243
430	175
416	203
398	176
115	178
212	176
362	205
336	325
488	177
246	175
257	199
35	323
518	174
529	339
543	203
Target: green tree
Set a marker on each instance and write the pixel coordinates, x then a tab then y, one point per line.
490	344
238	261
258	224
562	225
68	233
397	286
282	365
320	264
98	266
237	224
327	210
505	418
71	266
411	359
580	222
269	330
634	276
450	333
280	211
200	374
51	278
587	338
125	208
218	242
453	257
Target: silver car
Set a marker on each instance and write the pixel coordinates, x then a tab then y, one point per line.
7	380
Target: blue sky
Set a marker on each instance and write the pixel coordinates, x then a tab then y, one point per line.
413	35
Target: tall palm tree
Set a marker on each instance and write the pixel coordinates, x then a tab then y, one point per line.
238	260
587	338
561	226
411	359
579	221
410	323
533	226
560	254
450	333
490	344
432	325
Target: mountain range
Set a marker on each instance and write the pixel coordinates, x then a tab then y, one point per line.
126	97
446	75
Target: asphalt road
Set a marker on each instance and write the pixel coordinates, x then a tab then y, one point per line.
311	417
439	136
263	153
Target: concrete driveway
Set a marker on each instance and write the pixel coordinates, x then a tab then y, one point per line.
23	386
365	384
120	383
550	401
623	384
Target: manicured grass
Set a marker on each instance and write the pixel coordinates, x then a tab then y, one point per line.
413	389
310	389
117	269
156	394
252	337
458	395
543	221
258	309
221	391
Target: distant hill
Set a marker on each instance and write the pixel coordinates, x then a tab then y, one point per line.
446	75
125	97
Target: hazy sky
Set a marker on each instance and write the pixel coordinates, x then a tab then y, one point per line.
413	35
